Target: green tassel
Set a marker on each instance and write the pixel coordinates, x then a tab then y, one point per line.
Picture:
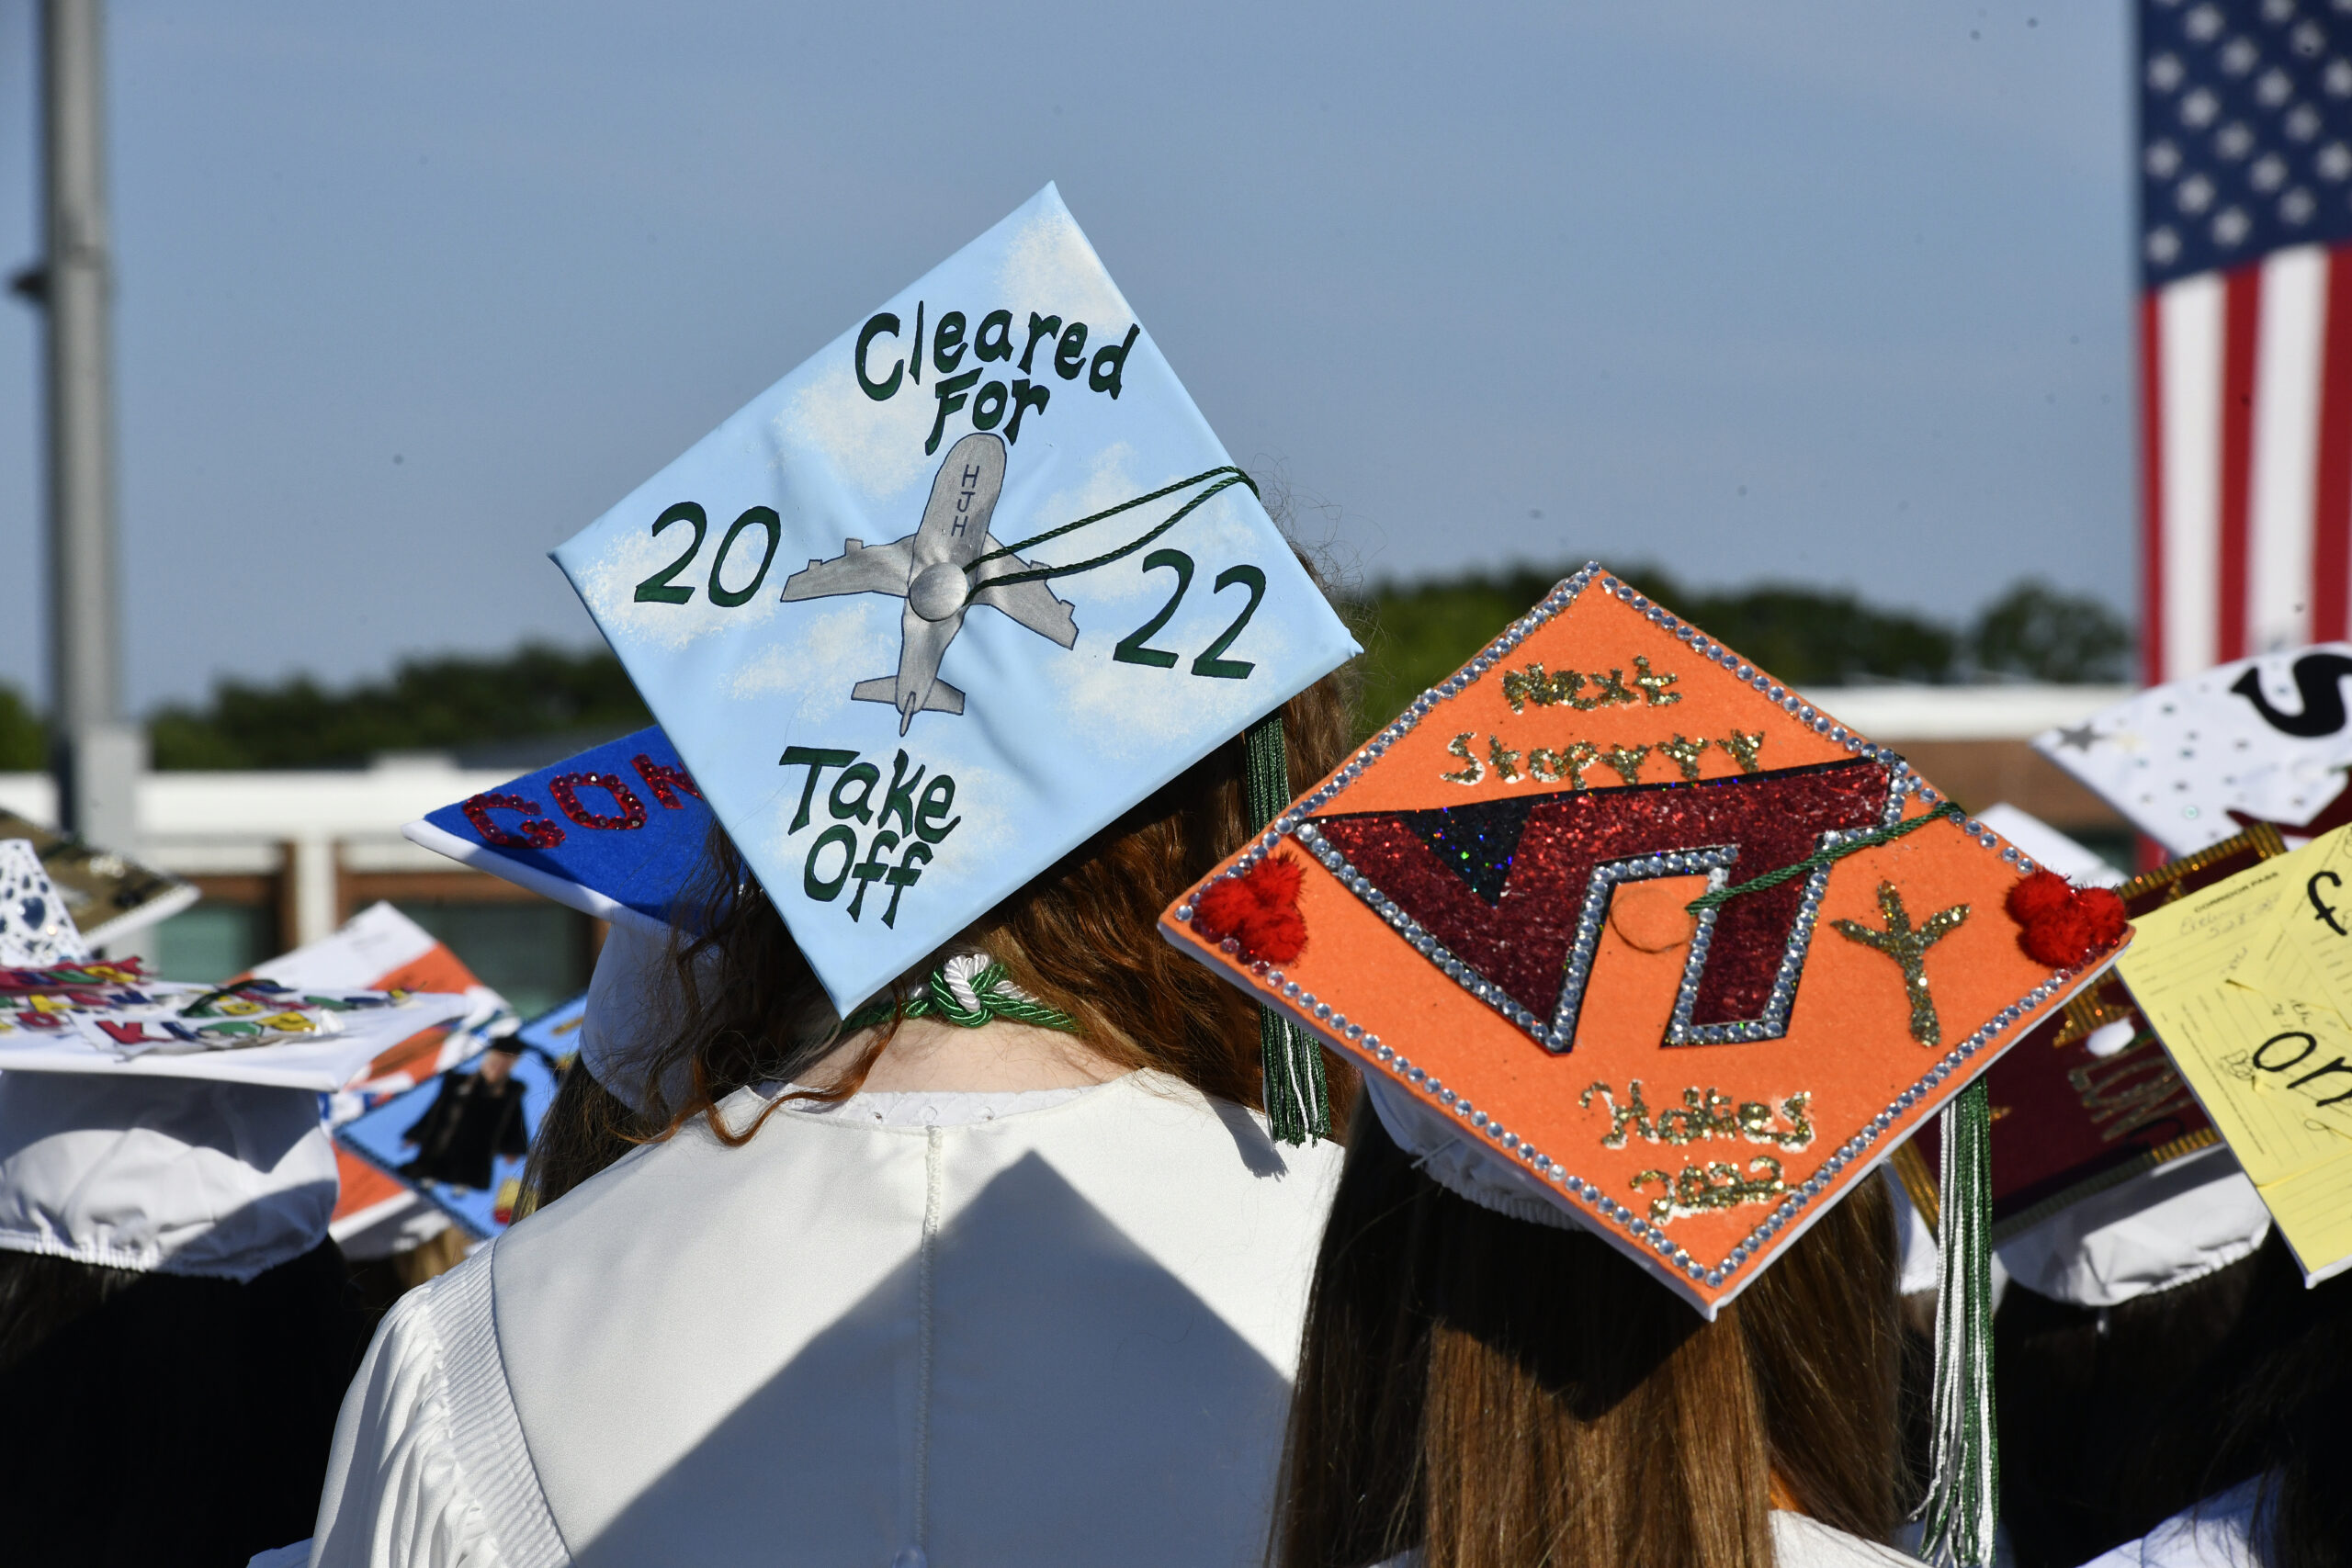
1963	1506
1298	1101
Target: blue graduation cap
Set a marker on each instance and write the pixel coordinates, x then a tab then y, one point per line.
613	833
947	599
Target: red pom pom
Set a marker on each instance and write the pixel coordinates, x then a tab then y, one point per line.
1258	909
2043	894
2063	925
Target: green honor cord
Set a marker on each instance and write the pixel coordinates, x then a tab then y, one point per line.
1963	1502
972	990
1298	1101
969	990
1829	855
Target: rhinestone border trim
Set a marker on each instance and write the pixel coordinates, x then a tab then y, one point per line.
1622	1220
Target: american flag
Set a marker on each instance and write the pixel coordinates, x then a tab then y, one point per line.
2245	326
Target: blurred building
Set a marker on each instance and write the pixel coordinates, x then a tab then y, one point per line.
1974	743
283	858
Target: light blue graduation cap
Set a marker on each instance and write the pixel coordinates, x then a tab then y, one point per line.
948	598
617	831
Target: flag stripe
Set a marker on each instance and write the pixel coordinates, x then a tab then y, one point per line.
2152	492
2332	493
2189	384
2286	440
2241	332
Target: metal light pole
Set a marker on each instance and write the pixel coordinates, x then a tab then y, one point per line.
96	756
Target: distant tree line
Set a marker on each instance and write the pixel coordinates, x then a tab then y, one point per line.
426	705
23	747
1414	636
442	704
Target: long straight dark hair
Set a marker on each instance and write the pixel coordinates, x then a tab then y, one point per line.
2081	1390
1500	1395
2269	1407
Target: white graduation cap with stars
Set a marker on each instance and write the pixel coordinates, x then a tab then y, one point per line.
2199	759
936	607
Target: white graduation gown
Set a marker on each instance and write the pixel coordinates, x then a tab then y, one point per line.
990	1333
1798	1542
2216	1533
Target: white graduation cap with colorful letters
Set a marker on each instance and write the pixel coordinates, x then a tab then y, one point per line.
941	603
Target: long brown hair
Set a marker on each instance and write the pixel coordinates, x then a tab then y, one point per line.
1081	936
1497	1393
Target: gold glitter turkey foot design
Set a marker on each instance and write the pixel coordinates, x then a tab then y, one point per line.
1908	948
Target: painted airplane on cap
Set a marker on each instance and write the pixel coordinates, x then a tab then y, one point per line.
929	570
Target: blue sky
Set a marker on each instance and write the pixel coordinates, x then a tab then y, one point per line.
410	293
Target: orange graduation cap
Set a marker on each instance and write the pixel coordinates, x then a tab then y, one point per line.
1685	951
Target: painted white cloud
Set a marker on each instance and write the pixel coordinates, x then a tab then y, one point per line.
1050	269
987	832
1128	711
1107	483
873	447
829	653
627	557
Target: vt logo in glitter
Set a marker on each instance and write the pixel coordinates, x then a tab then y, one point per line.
1508	897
